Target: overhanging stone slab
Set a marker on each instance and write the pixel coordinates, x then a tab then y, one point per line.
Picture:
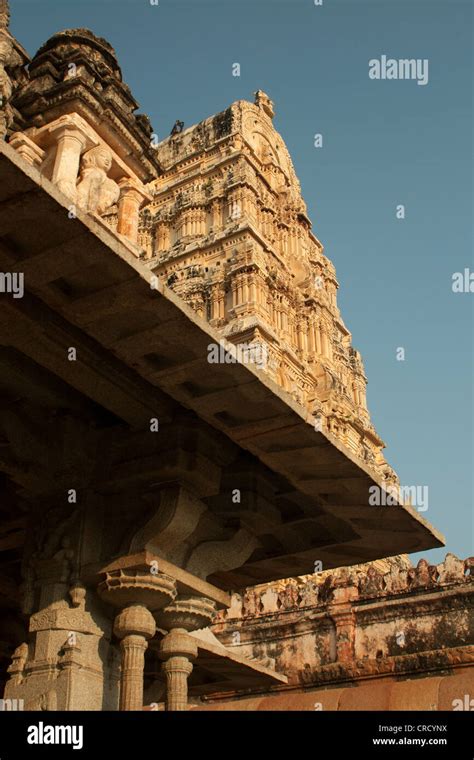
117	303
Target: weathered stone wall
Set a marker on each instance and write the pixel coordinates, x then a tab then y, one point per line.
382	620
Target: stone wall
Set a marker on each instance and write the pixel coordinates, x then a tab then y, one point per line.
345	627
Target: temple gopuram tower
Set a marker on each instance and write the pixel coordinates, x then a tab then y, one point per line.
229	232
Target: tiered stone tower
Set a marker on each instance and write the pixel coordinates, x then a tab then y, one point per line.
228	230
215	210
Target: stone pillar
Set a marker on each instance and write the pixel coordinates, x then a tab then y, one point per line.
136	592
131	199
299	336
341	611
161	237
177	648
71	142
134	626
245	290
222	303
216	219
344	619
311	339
71	665
252	290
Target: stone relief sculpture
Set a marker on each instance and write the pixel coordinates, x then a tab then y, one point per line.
95	191
311	591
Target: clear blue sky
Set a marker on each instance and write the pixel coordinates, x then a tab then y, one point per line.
384	143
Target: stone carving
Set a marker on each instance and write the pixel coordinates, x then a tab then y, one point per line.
77	593
4	13
209	556
96	193
344	584
348	638
250	603
422	575
452	569
121	588
18	663
83	66
268	601
263	101
186	612
309	593
396	579
372	584
245	178
45	702
288	597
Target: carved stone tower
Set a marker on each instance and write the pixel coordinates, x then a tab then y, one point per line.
229	232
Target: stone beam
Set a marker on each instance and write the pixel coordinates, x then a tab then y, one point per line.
253	411
186	582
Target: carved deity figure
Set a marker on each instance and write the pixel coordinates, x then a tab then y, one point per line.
396	578
95	191
372	583
452	569
288	597
422	575
250	603
309	594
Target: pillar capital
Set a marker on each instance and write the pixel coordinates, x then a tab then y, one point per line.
186	612
134	625
68	126
134	189
71	138
178	643
135	587
136	592
132	197
178	650
135	622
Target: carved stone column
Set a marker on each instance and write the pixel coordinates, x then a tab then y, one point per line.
71	142
342	613
344	619
162	241
134	626
178	649
131	198
136	592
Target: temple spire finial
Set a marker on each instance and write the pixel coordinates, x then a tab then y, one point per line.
263	101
